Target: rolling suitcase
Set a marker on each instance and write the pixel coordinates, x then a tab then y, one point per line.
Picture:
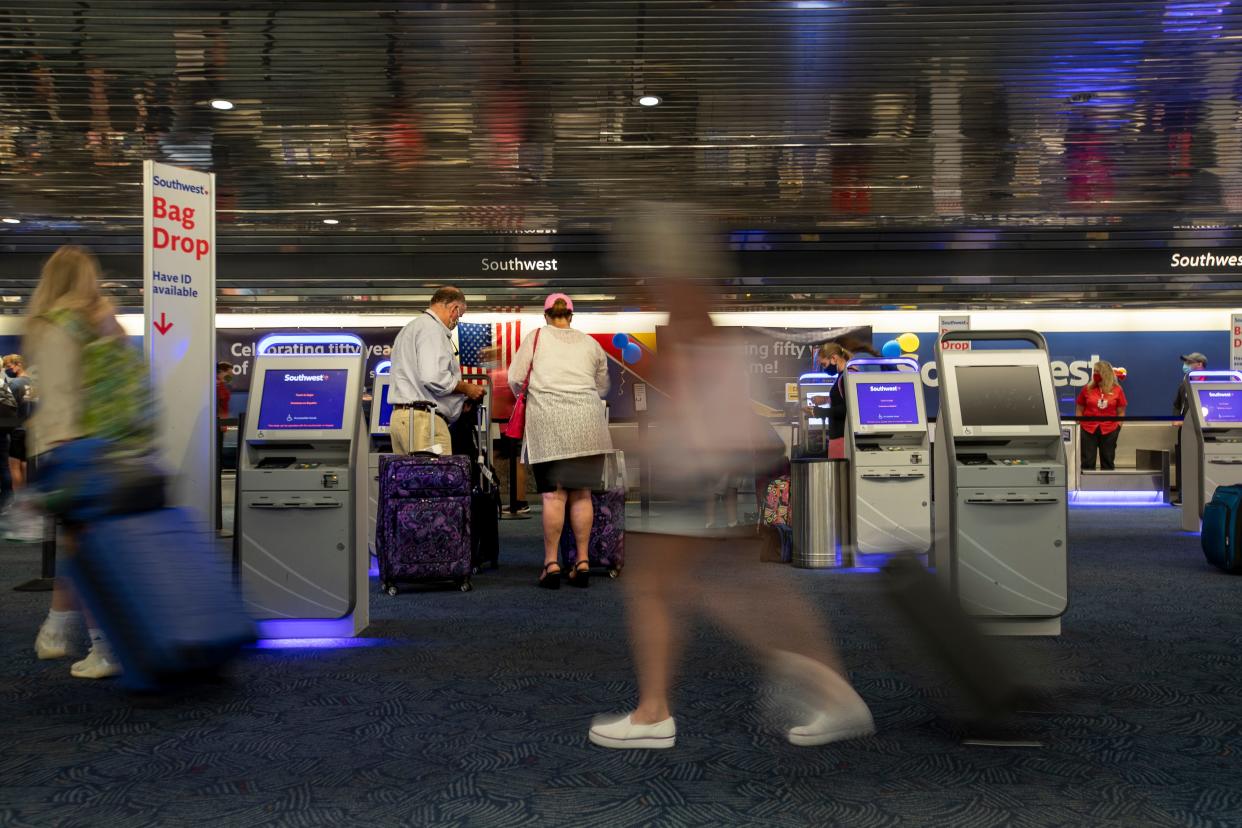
163	595
606	547
941	630
1219	536
422	529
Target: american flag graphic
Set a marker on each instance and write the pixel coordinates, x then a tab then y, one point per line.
473	339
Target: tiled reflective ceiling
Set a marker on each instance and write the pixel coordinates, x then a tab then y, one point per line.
406	118
424	116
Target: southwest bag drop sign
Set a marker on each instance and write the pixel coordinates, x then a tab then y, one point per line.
179	300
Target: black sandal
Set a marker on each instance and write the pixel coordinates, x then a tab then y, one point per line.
549	579
580	575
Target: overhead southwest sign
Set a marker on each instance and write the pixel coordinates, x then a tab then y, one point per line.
1205	260
179	300
518	265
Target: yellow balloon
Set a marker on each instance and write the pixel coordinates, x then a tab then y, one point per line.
909	342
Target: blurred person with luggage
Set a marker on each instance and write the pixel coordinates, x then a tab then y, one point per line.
563	374
426	369
67	299
167	619
707	429
1102	397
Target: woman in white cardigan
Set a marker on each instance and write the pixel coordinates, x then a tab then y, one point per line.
565	375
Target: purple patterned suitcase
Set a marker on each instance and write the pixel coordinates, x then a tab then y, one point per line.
422	528
606	548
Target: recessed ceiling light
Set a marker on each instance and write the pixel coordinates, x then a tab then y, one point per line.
11	221
649	100
220	103
330	221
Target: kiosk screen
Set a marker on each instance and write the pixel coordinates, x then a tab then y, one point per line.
818	402
1223	406
891	403
385	413
1000	395
299	399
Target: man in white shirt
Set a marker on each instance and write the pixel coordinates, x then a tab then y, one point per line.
426	370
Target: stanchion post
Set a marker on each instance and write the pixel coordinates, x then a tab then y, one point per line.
219	476
644	473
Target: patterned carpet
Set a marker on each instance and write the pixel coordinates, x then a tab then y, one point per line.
472	709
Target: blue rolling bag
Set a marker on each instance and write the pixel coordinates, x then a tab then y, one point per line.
1220	528
163	595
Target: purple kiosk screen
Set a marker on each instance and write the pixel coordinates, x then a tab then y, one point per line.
385	416
887	403
1221	406
300	400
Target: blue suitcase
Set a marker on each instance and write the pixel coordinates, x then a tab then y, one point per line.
163	595
1219	537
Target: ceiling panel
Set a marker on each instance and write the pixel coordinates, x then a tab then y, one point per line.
416	119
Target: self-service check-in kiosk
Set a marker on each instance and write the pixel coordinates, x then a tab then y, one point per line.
890	458
813	390
1000	483
303	571
379	444
1211	440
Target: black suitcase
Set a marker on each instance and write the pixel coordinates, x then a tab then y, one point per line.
941	630
471	436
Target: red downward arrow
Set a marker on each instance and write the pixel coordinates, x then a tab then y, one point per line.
163	326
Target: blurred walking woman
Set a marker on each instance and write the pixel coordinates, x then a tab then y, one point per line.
565	375
67	298
1103	397
676	568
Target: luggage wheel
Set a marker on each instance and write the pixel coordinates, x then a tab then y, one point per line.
614	573
465	586
391	589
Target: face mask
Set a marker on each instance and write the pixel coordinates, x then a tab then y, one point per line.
1096	377
1185	368
10	372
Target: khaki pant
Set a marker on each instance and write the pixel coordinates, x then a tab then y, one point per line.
399	431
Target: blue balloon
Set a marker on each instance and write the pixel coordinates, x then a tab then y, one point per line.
891	349
631	353
620	340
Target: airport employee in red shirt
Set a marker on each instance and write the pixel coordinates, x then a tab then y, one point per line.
1103	397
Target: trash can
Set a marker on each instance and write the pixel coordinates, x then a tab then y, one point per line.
819	505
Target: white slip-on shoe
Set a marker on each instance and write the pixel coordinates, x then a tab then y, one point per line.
837	711
50	643
98	664
623	734
852	721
